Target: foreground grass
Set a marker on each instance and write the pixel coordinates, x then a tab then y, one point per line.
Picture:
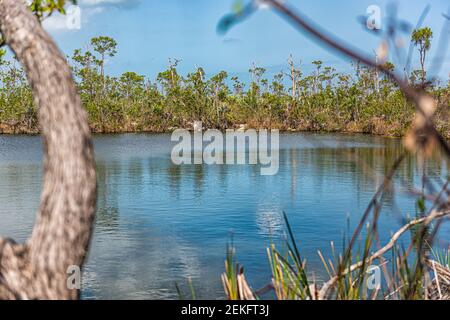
415	272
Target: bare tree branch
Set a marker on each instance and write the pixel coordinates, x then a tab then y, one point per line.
423	133
323	293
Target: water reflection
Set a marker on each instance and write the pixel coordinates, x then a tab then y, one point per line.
158	223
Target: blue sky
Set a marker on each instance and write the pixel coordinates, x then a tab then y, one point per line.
150	31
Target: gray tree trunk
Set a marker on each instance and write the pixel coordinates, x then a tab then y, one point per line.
60	239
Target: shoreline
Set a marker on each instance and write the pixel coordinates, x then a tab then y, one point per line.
24	132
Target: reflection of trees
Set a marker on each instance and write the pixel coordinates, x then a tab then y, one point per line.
359	167
174	175
363	167
357	164
107	204
18	195
179	174
135	172
293	160
199	176
107	217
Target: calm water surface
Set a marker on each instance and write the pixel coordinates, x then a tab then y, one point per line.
159	224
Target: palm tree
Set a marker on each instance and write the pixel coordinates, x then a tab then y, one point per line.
422	39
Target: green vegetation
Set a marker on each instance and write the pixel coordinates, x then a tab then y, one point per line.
403	274
422	39
44	8
324	100
17	111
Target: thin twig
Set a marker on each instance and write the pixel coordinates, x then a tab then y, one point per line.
436	276
420	98
425	220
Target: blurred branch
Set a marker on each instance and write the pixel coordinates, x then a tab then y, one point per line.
411	45
425	221
437	62
423	134
422	137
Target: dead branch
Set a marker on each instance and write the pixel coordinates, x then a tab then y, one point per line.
323	293
423	134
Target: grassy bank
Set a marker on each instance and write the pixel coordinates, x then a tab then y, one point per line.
329	122
323	99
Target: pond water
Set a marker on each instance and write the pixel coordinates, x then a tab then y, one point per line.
159	224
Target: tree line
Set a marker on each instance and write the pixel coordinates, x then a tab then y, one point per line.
322	100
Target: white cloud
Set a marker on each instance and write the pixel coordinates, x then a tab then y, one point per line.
263	5
84	13
124	4
54	23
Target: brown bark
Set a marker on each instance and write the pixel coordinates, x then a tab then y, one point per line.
60	238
